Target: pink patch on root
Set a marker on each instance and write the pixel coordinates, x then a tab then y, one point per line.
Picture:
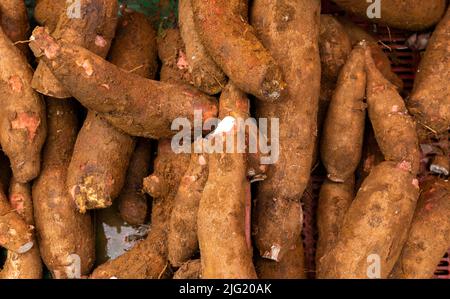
15	83
17	203
28	122
182	63
395	109
106	86
415	183
100	41
87	66
405	165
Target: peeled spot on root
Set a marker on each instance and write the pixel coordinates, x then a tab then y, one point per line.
87	66
182	63
202	160
106	86
15	83
405	165
17	201
273	253
27	121
100	41
415	183
43	42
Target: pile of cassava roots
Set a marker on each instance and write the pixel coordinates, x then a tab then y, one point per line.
96	182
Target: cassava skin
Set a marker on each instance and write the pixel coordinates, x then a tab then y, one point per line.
382	62
429	236
430	99
15	234
27	265
371	156
343	130
148	259
14	21
395	129
182	240
413	15
102	153
294	45
334	201
137	106
47	12
132	200
99	163
225	250
94	30
377	222
229	39
206	75
22	117
64	235
172	53
189	270
290	267
334	46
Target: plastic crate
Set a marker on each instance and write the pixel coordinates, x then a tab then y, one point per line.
404	64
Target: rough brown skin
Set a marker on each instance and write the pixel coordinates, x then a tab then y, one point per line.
358	34
148	259
172	53
430	99
413	15
94	30
47	12
371	156
137	106
290	267
343	130
334	201
377	222
22	117
190	270
206	75
15	234
14	21
102	153
429	236
100	159
294	45
222	233
132	200
62	231
232	43
182	239
334	46
27	265
395	129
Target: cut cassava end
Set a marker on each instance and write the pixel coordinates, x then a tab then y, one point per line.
343	130
92	27
206	75
375	226
414	15
22	117
231	42
290	31
102	153
137	106
395	129
429	236
66	237
430	99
